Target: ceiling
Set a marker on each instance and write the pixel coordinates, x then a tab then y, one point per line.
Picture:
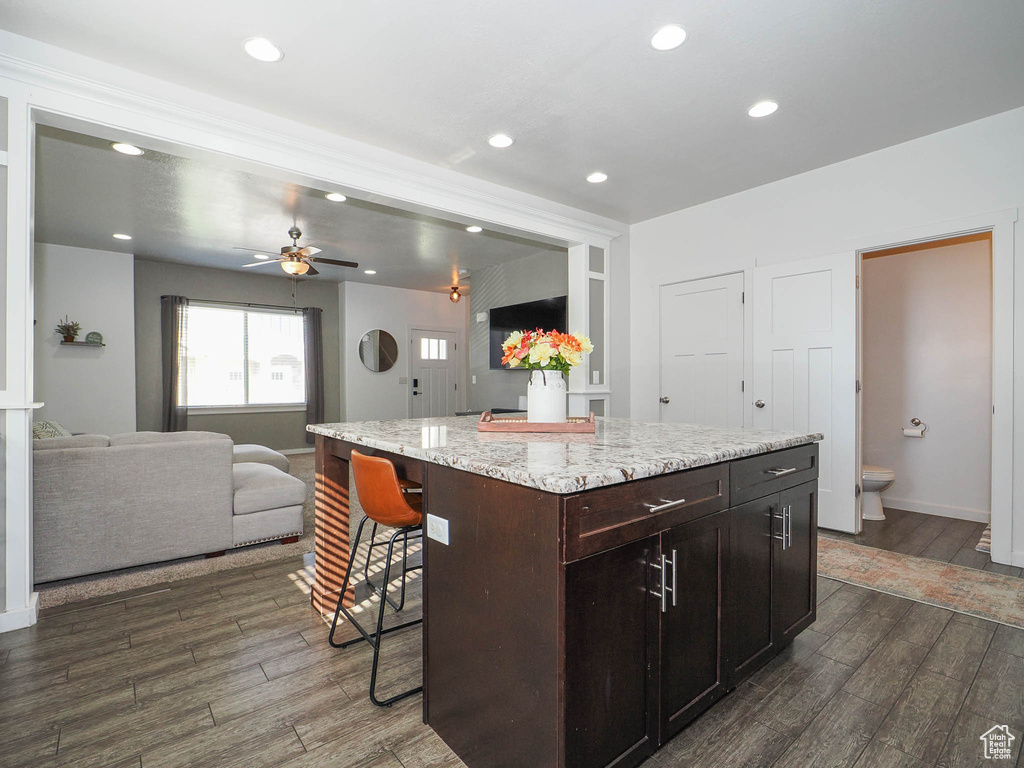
577	84
194	211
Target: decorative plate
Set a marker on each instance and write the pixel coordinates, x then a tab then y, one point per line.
94	337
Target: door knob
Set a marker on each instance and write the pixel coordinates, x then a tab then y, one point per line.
663	400
759	403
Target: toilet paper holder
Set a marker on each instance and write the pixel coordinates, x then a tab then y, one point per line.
917	430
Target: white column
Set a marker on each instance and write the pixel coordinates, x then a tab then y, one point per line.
21	602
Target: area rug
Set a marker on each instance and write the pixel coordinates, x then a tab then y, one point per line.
976	593
86	587
985	542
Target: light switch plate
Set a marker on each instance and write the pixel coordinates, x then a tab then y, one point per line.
474	379
596	375
437	528
403	380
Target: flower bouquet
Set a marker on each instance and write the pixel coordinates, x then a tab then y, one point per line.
550	355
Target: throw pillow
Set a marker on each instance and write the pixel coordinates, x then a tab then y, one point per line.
43	429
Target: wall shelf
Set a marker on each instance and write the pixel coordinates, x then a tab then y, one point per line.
80	344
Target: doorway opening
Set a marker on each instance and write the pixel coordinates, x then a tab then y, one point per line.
925	430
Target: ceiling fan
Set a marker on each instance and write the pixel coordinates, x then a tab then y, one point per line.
298	261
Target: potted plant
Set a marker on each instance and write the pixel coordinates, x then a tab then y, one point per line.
69	329
549	354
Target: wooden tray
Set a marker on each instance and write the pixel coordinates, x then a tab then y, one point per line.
576	424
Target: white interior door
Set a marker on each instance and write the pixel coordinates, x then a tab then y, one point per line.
433	373
805	369
702	351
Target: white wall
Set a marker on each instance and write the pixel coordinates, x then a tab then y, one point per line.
927	350
367	395
976	168
85	389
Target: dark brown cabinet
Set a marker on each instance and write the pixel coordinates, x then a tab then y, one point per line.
794	572
611	623
750	641
585	630
691	670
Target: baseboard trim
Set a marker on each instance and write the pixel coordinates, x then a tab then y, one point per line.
959	513
293	451
25	617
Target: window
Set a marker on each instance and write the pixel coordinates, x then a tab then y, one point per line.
433	349
244	357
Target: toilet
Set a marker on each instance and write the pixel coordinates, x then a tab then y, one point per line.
874	480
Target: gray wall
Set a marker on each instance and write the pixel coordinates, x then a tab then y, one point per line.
541	276
276	430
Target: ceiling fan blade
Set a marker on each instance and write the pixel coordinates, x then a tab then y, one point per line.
254	250
312	270
261	263
309	250
336	263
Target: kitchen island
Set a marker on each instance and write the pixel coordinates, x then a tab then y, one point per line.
587	596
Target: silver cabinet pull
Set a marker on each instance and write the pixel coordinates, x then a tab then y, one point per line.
780	472
673	578
789	527
781	517
653	508
661	594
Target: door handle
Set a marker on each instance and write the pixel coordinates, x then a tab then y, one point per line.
759	403
663	400
415	392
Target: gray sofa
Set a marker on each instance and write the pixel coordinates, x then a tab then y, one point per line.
106	503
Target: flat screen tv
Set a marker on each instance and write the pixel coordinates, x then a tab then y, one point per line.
549	314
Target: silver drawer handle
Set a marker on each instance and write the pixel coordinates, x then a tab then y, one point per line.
780	472
662	507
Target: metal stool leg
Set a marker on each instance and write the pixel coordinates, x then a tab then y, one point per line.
344	587
381	631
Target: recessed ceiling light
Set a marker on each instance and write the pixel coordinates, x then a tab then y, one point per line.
262	49
597	177
501	140
336	197
668	37
474	229
126	149
369	271
119	236
261	256
763	108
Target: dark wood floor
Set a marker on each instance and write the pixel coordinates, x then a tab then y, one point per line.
937	538
234	669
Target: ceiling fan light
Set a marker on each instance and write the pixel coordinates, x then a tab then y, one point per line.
295	267
455	296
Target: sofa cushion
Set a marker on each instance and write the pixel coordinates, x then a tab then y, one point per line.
260	454
146	438
74	441
44	429
261	486
268	524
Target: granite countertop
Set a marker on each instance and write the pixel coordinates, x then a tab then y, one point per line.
620	450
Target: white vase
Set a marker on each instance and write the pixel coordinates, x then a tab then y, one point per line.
546	397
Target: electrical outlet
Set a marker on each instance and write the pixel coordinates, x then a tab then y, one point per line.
474	379
437	528
596	376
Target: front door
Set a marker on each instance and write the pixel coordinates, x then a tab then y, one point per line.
702	351
805	368
433	373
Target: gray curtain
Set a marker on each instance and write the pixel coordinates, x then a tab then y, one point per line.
173	325
314	337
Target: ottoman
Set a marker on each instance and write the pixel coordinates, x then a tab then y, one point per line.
267	504
260	454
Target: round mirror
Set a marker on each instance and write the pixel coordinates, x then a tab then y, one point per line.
378	350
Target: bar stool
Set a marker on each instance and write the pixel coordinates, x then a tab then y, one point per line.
390	502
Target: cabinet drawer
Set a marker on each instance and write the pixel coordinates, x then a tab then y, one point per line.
609	517
770	473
